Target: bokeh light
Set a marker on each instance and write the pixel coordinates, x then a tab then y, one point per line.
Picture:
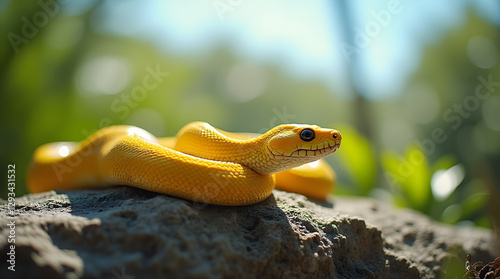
104	75
482	52
491	113
245	82
422	104
444	182
148	119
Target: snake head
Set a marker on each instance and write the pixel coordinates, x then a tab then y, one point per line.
296	144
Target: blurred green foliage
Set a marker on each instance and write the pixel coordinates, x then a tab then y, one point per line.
42	99
357	155
412	175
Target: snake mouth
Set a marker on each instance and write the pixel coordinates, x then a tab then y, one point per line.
326	150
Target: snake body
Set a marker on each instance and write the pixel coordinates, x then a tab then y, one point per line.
201	163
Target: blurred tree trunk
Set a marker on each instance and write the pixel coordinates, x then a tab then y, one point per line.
362	113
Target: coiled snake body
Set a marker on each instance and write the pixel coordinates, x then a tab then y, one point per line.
201	163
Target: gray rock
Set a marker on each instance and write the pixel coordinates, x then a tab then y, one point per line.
124	232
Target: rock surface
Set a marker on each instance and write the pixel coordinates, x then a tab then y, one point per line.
125	232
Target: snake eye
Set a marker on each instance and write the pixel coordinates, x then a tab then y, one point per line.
307	134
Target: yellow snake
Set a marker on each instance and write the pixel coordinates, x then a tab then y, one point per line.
201	163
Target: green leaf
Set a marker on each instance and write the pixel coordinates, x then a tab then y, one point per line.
410	174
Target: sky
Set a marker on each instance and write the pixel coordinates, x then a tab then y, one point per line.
304	37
